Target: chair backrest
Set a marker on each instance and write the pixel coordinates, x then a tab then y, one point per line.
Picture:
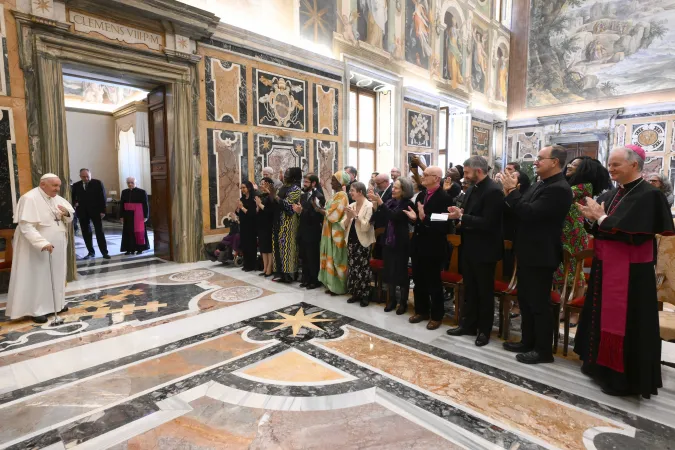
456	241
577	287
513	280
7	235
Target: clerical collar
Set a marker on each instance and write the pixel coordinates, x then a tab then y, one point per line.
632	183
481	181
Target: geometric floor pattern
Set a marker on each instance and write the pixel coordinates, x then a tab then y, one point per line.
201	356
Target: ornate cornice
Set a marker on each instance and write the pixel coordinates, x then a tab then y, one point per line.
29	19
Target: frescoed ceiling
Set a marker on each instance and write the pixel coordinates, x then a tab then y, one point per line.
98	96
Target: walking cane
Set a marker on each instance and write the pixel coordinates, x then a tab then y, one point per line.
57	321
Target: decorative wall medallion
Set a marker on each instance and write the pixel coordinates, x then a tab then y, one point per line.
325	164
9	169
225	91
480	141
419	128
279	153
228	168
325	110
280	101
4	63
237	294
192	276
650	136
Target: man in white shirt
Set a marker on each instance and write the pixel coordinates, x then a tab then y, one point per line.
42	218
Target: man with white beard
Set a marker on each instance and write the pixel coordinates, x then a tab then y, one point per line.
42	218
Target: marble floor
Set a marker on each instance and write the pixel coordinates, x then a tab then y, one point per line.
113	239
158	355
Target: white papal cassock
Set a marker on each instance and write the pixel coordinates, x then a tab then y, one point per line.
30	288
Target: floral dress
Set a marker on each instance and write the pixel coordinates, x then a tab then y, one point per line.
574	237
333	250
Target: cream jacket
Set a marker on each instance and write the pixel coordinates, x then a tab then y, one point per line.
364	229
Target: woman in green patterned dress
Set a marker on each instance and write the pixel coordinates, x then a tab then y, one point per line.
334	252
286	263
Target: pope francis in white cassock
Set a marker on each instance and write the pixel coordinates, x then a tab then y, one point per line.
42	217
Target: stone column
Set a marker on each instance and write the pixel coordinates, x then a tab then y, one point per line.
186	173
53	139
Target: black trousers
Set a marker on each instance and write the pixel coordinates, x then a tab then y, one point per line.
428	289
479	298
534	299
85	224
311	259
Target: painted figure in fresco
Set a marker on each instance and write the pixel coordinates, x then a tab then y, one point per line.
454	64
418	50
350	33
479	62
502	75
375	14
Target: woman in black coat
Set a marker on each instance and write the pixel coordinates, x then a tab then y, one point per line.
266	209
248	236
396	249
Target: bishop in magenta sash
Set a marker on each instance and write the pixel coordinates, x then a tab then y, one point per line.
618	337
134	212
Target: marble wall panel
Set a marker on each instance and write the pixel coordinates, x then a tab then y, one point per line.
653	164
326	112
325	164
9	170
279	101
225	91
279	153
228	168
4	58
650	136
528	145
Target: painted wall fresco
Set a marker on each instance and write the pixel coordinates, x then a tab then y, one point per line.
87	94
454	49
586	50
318	20
480	61
418	32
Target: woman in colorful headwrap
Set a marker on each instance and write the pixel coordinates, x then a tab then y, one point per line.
286	248
334	253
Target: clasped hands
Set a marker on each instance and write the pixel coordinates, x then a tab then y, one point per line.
509	181
374	198
592	210
420	212
455	212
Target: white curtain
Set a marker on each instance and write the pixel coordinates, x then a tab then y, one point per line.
134	160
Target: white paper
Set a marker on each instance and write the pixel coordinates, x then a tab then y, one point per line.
439	217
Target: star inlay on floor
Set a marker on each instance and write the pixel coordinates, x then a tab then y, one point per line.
298	321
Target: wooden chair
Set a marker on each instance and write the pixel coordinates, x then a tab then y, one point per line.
504	291
8	235
377	266
452	278
574	293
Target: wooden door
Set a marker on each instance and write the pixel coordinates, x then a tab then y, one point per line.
160	204
576	149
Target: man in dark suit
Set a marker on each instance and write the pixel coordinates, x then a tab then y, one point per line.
482	247
384	188
540	213
309	231
429	244
90	201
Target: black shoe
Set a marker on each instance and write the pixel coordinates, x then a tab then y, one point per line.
517	347
248	270
39	319
131	253
364	303
303	284
402	309
352	300
267	275
261	274
482	340
89	256
139	252
533	357
460	331
65	309
390	307
311	286
106	256
615	393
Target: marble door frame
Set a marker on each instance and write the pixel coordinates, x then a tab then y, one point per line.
45	47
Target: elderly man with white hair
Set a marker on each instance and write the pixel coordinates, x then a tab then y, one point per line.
269	173
618	336
134	213
40	249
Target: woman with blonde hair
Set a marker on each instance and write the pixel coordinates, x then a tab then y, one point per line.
333	248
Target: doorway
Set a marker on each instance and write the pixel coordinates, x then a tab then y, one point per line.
116	129
577	149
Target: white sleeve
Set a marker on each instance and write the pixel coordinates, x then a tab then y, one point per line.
32	235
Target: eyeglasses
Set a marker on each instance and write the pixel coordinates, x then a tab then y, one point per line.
653	181
540	159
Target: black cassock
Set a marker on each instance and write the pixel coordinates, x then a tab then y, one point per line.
618	336
130	196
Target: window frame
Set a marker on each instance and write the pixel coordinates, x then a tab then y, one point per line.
444	150
358	144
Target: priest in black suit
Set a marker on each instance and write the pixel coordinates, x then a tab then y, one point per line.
309	231
482	247
429	248
618	337
134	213
90	202
540	213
